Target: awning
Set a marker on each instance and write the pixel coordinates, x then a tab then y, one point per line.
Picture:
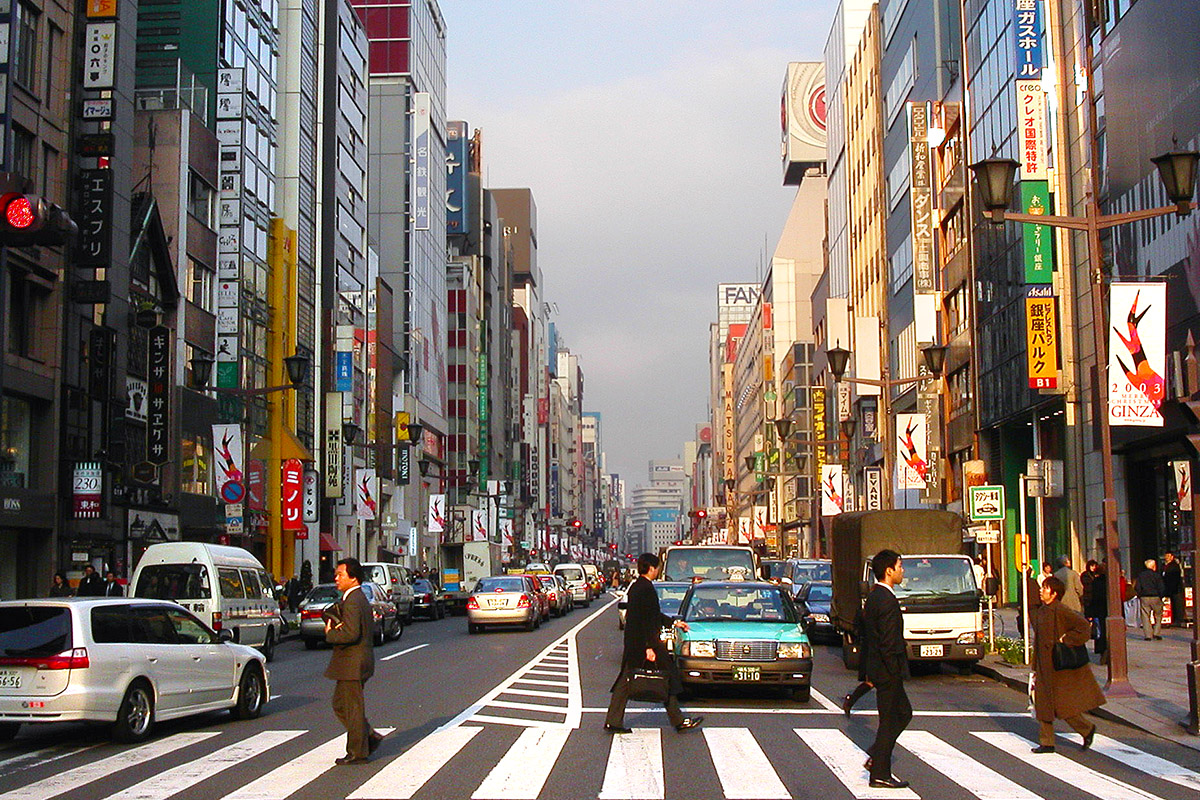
290	447
328	542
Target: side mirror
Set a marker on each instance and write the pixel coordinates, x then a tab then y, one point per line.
225	635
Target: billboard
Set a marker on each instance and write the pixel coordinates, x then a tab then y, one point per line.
802	119
912	466
458	214
1137	359
832	492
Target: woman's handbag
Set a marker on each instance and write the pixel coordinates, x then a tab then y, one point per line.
648	685
1069	656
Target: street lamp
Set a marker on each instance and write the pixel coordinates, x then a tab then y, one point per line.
297	370
995	177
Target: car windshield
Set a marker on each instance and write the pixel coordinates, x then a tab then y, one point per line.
812	571
936	577
670	598
323	594
820	593
571	573
708	563
174	582
751	603
500	585
34	631
775	569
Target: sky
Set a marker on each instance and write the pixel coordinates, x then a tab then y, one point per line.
649	134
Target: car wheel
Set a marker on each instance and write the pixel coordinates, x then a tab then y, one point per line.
8	730
802	694
268	648
531	623
473	628
135	717
252	692
397	627
312	644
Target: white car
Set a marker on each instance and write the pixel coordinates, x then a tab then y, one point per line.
127	661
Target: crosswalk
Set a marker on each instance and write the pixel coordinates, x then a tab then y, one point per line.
520	763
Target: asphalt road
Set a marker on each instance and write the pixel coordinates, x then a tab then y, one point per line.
514	714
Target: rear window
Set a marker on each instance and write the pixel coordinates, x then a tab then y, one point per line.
571	573
174	582
379	574
707	563
820	593
231	584
500	585
424	586
34	631
323	594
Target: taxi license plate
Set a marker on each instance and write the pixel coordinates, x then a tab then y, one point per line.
747	673
932	651
10	679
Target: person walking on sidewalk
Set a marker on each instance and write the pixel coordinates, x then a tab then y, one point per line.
1172	575
1073	596
1148	586
1065	694
1096	609
886	660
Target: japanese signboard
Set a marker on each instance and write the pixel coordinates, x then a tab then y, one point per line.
1027	32
227	466
1038	239
924	279
457	199
291	491
1137	353
158	437
873	494
334	449
421	158
344	371
912	464
366	489
99	360
986	503
437	513
832	491
256	484
1041	337
312	494
100	55
1031	124
95	218
87	485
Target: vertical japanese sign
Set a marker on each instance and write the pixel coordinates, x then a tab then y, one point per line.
99	361
1183	484
1027	31
312	494
231	138
1031	125
87	486
458	214
832	492
1137	353
924	279
366	488
256	485
95	218
291	491
1041	337
344	371
335	451
912	465
159	399
420	161
436	522
227	466
100	55
1038	240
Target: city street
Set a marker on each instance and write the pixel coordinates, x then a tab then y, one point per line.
510	714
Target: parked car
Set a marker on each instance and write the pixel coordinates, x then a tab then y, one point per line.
396	582
428	599
503	600
812	601
556	594
595	580
129	662
576	578
773	569
388	622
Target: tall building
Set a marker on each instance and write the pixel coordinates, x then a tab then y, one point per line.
655	509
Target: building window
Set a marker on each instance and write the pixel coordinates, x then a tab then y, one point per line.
961	399
25	68
23	147
15	419
200	199
199	286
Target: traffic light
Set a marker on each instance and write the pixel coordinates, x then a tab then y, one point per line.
26	219
576	524
701	513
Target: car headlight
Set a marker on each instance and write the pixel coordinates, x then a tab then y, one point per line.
820	617
794	650
699	649
971	637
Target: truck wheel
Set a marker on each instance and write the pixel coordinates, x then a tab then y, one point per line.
473	628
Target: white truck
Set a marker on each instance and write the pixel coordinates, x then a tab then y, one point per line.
463	564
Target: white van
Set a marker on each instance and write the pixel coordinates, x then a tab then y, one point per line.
226	587
396	582
576	578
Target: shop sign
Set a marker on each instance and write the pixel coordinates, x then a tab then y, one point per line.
921	191
100	55
403	467
1137	353
479	525
1038	240
312	495
1031	122
457	199
1027	33
87	489
94	220
873	494
913	462
344	371
334	449
153	526
159	370
137	393
256	485
436	521
101	9
1041	337
421	145
291	489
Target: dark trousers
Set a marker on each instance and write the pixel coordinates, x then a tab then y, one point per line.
1178	610
620	696
895	712
350	708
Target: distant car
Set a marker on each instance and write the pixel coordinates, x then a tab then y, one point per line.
772	569
503	600
744	633
388	622
396	582
799	571
129	662
670	595
812	601
537	568
560	594
542	591
428	599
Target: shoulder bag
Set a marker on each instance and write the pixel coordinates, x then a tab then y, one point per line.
1068	656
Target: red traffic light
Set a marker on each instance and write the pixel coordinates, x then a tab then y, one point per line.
19	213
576	524
26	219
701	513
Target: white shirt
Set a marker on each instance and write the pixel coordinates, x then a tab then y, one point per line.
887	586
346	593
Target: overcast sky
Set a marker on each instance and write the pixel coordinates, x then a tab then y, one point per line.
649	134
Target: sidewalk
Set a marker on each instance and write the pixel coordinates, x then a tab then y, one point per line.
1157	671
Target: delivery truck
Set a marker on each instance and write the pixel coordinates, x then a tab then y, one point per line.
463	564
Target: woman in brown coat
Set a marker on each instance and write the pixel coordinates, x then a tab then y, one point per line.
1061	694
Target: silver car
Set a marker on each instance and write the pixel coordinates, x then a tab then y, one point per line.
128	662
503	600
388	622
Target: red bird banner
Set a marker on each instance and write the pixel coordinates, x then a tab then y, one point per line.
1137	358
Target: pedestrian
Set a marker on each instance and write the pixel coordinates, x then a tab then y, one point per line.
1086	577
644	647
1065	694
1047	571
59	585
1172	575
1096	609
293	593
886	660
864	685
1148	586
980	572
111	587
91	584
1073	595
349	628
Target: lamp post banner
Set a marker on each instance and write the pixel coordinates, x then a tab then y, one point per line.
366	493
760	523
912	467
436	522
744	530
1183	484
832	494
227	442
1136	353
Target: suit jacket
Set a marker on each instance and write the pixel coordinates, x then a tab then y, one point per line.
1073	596
353	657
113	589
644	622
883	631
91	586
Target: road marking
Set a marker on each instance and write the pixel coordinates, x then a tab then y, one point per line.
1064	769
981	781
1145	762
825	702
408	772
547	673
528	706
284	781
805	711
84	775
537	693
539	682
742	766
844	759
175	780
404	652
635	767
36	758
523	771
521	723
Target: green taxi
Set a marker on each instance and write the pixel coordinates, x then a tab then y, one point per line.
743	633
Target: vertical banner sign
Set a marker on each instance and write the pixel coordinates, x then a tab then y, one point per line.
256	484
479	525
912	466
227	444
335	452
87	488
159	417
832	494
402	420
924	279
819	426
231	140
403	466
506	534
344	372
291	491
420	164
99	360
1027	31
366	493
95	218
437	513
873	493
1041	337
458	213
100	55
1038	240
744	530
1137	353
760	523
1183	484
312	495
1031	125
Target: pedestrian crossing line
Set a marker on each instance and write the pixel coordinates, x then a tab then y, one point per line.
547	673
1064	769
1145	762
742	766
635	767
536	693
284	781
562	658
175	780
825	702
535	682
981	781
523	723
401	777
523	770
83	775
528	706
844	759
36	758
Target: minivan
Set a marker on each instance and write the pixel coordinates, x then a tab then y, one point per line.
396	581
577	579
226	587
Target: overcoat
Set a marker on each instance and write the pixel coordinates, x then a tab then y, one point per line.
353	657
1061	693
644	622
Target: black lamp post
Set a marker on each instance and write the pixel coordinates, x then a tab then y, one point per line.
1178	173
839	359
202	366
350	432
783	427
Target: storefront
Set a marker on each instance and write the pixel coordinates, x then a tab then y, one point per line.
26	541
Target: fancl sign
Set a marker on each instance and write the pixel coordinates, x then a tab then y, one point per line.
738	294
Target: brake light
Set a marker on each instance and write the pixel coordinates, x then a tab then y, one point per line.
307	614
67	659
216	626
472	604
427	598
523	602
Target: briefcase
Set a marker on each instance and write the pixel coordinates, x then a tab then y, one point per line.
649	685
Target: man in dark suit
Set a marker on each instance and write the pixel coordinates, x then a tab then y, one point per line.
644	648
111	587
886	659
349	629
91	584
